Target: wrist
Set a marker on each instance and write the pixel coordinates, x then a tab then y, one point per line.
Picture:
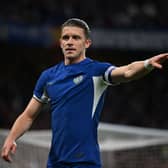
148	66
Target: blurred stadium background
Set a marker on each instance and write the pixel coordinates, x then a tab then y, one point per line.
122	31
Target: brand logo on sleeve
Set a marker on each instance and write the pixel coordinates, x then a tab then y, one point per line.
77	80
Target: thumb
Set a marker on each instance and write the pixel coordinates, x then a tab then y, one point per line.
13	148
157	65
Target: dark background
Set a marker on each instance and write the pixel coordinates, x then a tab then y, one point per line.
139	103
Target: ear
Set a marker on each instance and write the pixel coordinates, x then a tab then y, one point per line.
88	43
60	42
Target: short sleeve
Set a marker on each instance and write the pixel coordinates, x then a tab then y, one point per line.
107	75
40	92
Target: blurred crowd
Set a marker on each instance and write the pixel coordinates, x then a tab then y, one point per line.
139	103
99	13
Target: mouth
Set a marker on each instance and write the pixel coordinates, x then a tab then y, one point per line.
70	49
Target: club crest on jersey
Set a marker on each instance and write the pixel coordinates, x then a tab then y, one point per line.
78	79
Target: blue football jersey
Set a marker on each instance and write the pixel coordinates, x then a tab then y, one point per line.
76	94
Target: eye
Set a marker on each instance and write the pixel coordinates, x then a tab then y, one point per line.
76	37
66	37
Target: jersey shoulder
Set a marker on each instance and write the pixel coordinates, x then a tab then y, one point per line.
51	70
99	67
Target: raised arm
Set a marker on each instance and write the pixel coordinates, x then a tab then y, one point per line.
22	124
137	69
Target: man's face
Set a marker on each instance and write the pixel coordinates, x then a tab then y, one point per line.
73	42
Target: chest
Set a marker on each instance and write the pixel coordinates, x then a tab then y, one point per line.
67	83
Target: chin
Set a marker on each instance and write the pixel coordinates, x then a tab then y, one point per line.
71	56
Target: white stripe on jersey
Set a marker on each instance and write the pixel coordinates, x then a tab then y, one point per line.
107	73
99	88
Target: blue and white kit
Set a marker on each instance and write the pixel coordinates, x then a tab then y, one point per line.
76	95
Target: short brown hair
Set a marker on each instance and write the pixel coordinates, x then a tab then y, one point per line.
78	23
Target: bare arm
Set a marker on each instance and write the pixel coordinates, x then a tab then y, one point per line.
137	69
22	124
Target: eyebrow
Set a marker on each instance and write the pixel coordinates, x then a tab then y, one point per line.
73	36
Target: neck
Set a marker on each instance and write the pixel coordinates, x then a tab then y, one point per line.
69	61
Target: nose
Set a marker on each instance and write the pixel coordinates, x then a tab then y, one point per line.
70	41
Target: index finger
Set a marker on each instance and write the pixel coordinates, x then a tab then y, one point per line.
163	55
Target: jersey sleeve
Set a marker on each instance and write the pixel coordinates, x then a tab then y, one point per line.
107	75
40	92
